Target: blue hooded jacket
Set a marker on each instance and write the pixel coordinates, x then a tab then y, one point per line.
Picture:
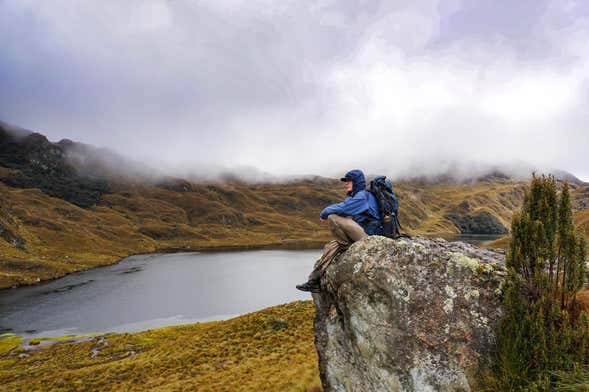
360	204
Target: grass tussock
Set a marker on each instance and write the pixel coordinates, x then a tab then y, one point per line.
9	342
576	380
269	350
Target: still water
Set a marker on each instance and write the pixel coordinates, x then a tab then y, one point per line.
150	291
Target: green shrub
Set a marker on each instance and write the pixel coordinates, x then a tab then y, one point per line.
543	333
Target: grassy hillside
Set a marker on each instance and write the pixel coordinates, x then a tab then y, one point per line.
580	197
64	207
269	350
44	237
54	220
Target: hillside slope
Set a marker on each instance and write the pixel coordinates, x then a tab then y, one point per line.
59	215
269	350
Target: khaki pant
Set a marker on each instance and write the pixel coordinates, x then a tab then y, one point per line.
345	231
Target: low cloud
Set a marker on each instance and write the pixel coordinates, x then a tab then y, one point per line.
304	87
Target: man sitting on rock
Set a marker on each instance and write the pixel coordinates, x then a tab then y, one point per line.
351	220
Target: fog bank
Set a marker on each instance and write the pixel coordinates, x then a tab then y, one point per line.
288	88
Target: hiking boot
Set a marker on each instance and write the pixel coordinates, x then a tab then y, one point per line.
313	286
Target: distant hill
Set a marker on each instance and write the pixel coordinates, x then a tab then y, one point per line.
31	161
68	206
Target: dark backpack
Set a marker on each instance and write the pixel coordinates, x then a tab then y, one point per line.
388	206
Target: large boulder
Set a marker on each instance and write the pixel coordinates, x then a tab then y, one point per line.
408	315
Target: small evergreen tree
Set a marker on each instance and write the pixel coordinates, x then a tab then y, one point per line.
542	331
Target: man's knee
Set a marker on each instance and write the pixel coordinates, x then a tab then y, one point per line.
338	220
345	228
332	221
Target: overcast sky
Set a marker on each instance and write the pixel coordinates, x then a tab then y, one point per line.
293	87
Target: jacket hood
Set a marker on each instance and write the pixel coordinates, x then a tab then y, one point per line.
358	180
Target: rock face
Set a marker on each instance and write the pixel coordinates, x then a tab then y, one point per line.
38	163
408	315
483	223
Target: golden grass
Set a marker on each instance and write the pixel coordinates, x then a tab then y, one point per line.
251	352
269	350
62	238
582	221
9	342
137	218
502	243
425	206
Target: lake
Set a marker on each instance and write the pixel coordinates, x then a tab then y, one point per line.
149	291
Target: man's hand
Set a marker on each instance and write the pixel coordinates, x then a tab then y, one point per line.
322	221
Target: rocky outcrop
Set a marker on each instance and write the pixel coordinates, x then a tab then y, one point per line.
482	223
9	228
408	315
37	163
7	235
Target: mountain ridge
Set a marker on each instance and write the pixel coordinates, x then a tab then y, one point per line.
104	162
56	218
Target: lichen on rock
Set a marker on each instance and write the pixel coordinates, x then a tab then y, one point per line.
408	315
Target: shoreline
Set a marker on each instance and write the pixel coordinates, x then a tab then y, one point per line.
292	245
288	245
216	353
72	337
